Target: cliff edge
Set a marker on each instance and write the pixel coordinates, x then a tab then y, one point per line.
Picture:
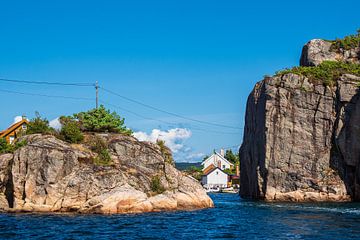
302	129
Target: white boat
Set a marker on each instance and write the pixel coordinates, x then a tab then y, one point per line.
229	190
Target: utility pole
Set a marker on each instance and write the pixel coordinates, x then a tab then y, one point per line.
97	94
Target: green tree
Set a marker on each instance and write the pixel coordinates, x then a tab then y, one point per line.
70	130
102	120
231	157
39	125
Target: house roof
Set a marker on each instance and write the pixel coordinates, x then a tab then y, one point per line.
12	128
208	169
219	155
213	171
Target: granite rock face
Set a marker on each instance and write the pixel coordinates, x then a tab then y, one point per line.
49	175
302	140
317	50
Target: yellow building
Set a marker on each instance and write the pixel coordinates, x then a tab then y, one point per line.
14	131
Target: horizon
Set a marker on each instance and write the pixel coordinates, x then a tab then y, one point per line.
197	60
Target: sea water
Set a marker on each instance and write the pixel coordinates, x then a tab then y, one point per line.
232	218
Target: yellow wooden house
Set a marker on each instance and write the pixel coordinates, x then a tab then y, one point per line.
14	131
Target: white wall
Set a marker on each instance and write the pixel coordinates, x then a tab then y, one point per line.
216	178
214	159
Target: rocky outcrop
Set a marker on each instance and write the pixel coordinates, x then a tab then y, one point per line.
317	50
301	138
49	175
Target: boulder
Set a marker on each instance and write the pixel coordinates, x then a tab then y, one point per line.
49	175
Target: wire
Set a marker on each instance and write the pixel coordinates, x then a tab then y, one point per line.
48	96
159	120
169	113
49	83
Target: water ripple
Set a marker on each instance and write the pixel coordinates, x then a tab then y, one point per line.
232	218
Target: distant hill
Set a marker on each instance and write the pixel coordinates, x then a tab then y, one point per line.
182	166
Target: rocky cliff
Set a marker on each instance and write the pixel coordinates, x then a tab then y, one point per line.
49	175
302	135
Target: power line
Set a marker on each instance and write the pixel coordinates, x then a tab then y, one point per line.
165	122
48	83
48	96
166	112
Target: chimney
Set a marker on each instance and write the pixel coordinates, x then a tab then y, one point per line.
222	152
237	170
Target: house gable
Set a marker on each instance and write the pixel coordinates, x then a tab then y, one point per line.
11	133
214	159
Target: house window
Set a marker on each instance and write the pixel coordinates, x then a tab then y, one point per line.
11	139
24	126
223	167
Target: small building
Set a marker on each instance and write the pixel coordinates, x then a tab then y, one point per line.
218	160
215	178
14	131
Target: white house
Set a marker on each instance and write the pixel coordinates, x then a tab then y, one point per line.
213	174
217	160
216	178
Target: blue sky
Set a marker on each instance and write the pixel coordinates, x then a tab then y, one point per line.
198	58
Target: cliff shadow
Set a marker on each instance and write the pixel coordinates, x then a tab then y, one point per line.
345	151
252	151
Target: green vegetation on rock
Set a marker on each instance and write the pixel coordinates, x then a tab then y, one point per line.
346	43
10	148
165	151
99	146
39	125
156	186
70	130
102	120
325	73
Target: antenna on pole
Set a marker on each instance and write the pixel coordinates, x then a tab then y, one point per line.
97	94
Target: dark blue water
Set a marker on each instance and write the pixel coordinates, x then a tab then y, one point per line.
231	219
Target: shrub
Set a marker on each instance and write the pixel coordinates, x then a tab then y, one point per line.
70	130
325	73
99	146
39	125
347	43
10	148
102	120
165	151
156	186
4	146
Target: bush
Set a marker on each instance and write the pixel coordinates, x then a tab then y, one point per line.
4	146
99	146
70	130
156	186
10	148
325	73
165	151
347	43
39	125
102	120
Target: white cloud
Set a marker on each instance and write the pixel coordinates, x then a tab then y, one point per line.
195	156
174	138
55	123
18	119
